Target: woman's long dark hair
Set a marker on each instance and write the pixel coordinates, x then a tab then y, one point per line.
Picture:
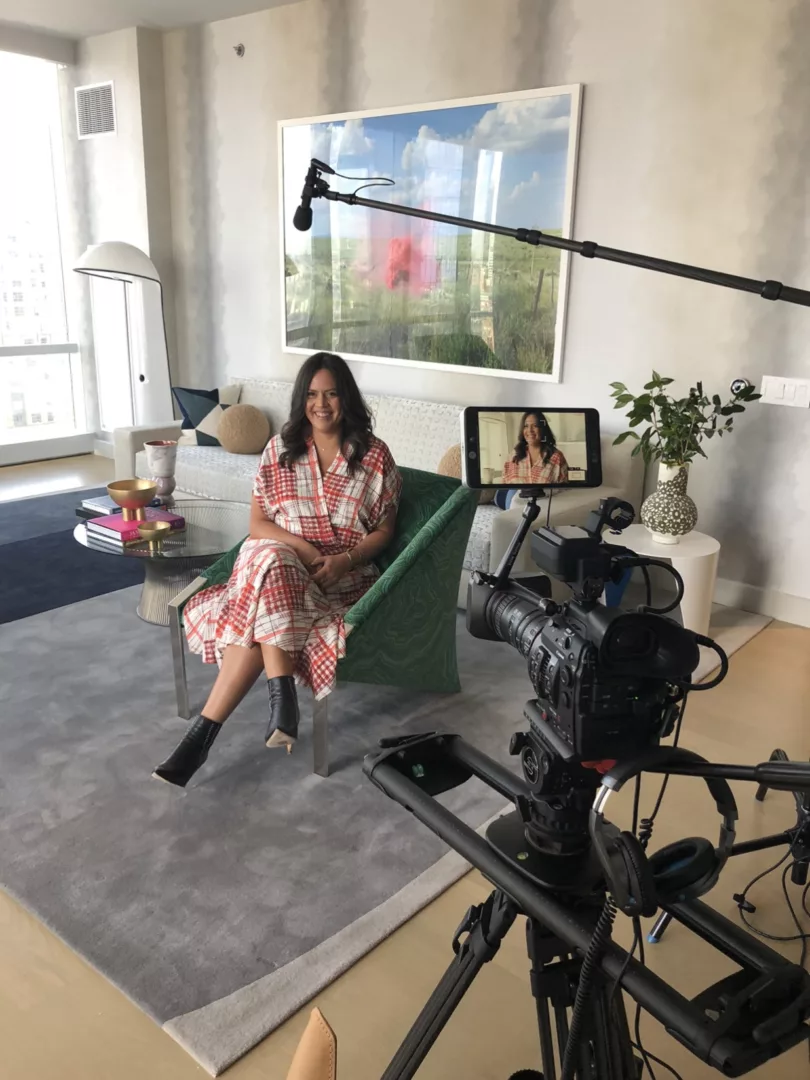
548	444
356	423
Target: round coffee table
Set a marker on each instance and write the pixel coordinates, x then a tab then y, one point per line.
212	528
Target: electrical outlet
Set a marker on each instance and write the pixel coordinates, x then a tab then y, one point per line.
778	390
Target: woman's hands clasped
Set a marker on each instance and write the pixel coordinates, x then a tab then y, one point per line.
327	570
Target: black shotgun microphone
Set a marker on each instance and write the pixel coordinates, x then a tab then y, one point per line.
302	218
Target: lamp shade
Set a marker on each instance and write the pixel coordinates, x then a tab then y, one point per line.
117	260
129	335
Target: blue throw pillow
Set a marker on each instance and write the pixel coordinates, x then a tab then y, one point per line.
202	411
504	496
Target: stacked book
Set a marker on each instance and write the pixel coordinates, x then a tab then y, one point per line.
101	505
113	530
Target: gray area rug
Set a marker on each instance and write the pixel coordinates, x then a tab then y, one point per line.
222	909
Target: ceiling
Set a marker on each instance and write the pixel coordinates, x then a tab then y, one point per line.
82	18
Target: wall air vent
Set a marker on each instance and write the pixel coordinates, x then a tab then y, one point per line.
95	110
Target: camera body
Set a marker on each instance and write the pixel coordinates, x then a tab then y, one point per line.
607	681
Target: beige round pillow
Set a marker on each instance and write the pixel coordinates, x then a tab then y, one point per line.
243	429
450	465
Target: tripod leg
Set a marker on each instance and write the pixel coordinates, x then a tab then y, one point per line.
762	790
657	932
538	955
614	1054
485	925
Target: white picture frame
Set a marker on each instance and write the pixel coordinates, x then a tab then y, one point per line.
407	293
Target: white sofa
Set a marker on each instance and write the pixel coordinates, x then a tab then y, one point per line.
417	432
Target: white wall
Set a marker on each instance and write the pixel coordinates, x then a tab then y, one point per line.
22	39
126	175
695	146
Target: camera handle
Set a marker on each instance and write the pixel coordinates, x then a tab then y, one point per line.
531	513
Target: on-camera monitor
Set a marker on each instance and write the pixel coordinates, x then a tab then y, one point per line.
522	448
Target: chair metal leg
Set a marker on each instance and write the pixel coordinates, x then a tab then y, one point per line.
178	644
320	736
179	662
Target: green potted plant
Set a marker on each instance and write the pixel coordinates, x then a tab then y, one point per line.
674	431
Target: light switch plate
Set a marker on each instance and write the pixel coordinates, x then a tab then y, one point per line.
780	390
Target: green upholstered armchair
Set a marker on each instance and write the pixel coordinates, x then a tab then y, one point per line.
403	631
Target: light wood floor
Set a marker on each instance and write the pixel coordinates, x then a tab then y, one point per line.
48	477
61	1020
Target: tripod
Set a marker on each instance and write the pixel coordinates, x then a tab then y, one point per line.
605	1049
797	837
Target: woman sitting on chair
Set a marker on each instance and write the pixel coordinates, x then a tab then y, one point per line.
324	506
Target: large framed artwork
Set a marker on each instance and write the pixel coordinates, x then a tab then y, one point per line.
399	290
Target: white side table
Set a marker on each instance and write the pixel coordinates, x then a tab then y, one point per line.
695	559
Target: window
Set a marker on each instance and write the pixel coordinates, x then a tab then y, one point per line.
37	356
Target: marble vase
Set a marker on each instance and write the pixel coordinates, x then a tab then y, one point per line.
161	459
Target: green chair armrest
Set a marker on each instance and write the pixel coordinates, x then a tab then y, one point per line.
217	573
220	571
410	640
461	499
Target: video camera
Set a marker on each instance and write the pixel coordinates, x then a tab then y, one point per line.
606	679
610	685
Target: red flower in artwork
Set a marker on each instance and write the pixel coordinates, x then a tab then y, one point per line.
405	262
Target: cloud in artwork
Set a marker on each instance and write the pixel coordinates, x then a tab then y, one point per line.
526	187
333	141
538	124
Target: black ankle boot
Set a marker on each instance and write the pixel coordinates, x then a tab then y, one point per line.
283	727
191	753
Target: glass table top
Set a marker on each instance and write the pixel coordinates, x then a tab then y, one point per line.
212	528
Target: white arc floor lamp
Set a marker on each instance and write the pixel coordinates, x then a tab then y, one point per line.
129	330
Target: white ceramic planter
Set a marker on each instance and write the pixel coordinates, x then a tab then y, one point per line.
669	513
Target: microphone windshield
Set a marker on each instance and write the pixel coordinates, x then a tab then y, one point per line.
302	218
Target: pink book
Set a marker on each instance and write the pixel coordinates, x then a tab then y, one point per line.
127	531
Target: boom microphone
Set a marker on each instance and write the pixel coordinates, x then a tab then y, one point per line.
302	218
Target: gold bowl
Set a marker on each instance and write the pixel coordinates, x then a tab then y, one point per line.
154	531
132	496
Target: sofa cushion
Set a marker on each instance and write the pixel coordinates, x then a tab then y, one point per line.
476	556
244	429
211	472
202	411
417	432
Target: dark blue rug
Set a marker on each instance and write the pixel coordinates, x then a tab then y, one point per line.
41	565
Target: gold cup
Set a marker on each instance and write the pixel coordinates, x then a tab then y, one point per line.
155	532
132	496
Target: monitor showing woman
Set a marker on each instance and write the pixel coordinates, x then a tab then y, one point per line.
536	459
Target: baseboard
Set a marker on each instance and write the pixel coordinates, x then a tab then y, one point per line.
779	605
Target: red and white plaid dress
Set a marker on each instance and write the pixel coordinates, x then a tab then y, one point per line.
553	471
270	597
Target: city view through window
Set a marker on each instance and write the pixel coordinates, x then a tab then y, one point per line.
38	365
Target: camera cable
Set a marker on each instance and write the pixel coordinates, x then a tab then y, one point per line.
371	181
745	907
637	943
599	942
